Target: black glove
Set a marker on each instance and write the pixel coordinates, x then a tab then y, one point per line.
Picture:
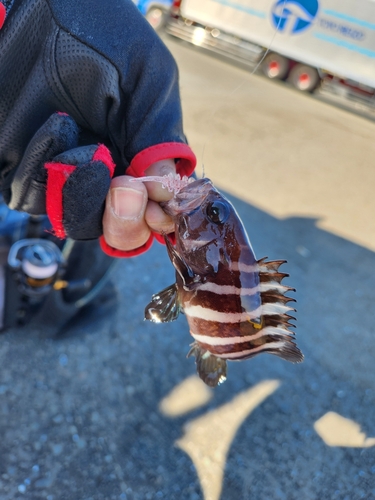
66	182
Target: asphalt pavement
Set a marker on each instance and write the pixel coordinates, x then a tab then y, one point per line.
111	408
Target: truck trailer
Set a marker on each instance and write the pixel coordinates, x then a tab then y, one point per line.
328	44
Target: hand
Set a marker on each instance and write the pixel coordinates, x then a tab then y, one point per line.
71	184
132	209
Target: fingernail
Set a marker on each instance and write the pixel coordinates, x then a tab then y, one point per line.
167	169
127	203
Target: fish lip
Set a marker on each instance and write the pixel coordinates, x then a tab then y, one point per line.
189	198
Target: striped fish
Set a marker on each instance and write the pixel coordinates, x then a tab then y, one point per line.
235	305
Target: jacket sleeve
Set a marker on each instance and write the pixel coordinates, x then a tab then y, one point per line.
118	80
134	104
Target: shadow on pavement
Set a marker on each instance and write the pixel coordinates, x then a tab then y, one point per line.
81	418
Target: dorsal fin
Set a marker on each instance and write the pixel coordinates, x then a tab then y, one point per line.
276	315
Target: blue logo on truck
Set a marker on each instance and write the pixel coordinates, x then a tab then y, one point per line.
294	16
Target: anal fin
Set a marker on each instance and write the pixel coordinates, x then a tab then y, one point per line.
164	306
211	369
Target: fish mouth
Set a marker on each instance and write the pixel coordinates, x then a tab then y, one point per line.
189	198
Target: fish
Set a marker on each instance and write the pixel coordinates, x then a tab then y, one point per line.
235	305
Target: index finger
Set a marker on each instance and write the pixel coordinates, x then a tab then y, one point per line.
155	190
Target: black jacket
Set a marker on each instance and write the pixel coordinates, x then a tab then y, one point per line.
78	77
98	61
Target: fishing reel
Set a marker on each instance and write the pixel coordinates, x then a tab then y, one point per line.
43	279
34	269
35	281
36	266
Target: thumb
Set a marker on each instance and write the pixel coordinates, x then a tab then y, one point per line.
124	225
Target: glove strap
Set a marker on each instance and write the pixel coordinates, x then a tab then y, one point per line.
77	184
3	14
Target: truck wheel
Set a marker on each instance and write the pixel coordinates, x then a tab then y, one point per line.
275	66
304	78
156	16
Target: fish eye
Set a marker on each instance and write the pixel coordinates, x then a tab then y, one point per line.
217	212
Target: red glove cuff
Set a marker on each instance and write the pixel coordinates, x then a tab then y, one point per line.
114	252
185	158
185	165
160	238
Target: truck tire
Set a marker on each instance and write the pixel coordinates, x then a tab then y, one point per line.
304	78
275	66
156	16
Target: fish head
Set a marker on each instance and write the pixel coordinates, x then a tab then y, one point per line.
209	232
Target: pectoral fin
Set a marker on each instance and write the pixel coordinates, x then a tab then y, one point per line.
211	369
164	306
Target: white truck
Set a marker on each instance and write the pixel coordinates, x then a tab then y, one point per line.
311	43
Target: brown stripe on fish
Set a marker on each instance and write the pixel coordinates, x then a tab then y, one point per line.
247	349
199	312
267	273
217	289
256	337
284	349
235	278
241	250
208	314
227	324
260	266
223	330
253	351
211	300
